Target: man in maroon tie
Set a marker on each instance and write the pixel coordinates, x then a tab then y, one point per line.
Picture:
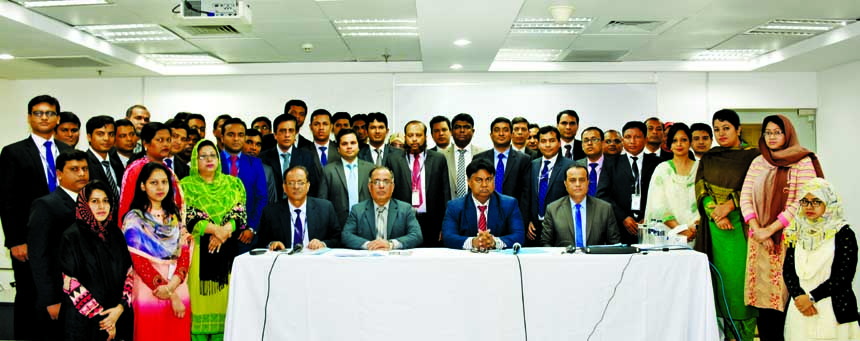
428	190
249	169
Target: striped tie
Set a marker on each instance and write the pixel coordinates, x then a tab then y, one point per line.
461	173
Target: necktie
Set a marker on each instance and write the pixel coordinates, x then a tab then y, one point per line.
323	156
416	182
579	241
352	185
234	165
500	173
635	175
544	183
378	157
461	173
111	180
380	223
299	235
567	153
285	163
482	222
169	163
592	179
52	170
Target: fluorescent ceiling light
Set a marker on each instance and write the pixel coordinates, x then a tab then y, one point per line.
53	3
728	54
379	34
376	27
456	66
528	55
545	20
131	33
462	42
549	26
6	56
798	27
184	59
375	21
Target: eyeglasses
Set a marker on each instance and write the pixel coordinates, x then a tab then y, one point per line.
773	133
40	114
208	156
594	140
296	183
385	182
615	141
813	203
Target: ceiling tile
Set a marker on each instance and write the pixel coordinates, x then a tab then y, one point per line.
244	50
372	48
325	50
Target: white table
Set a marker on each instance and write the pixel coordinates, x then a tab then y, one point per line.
439	294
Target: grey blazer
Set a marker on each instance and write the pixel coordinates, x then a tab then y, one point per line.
600	223
333	186
402	225
452	165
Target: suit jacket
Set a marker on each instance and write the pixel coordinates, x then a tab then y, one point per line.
333	187
558	224
21	174
436	196
616	187
532	154
298	157
554	190
662	155
321	224
331	153
305	143
395	160
180	169
452	166
50	215
516	181
401	225
577	151
97	171
503	220
271	193
254	179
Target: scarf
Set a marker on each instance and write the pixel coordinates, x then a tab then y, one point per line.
85	217
811	234
152	236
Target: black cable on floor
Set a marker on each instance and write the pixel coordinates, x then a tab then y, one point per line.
268	288
522	297
614	289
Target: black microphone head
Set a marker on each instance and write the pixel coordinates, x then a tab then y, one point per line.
298	248
517	247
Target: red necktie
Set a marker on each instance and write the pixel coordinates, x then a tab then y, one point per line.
416	182
482	222
234	165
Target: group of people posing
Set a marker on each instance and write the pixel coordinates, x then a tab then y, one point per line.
134	238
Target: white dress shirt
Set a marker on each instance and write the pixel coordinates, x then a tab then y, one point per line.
40	144
304	217
410	162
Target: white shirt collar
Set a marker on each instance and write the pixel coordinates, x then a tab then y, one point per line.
99	157
71	194
303	207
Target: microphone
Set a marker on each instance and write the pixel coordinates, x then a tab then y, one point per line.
296	249
570	249
516	248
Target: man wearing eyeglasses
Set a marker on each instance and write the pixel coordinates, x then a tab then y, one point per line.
300	219
381	223
27	171
344	181
592	145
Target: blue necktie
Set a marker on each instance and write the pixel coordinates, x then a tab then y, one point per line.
592	179
169	163
500	173
578	228
352	185
52	170
299	235
544	183
323	158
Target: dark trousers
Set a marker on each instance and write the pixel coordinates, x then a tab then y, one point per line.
24	314
771	324
538	224
430	229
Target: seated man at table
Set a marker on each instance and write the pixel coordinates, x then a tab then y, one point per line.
578	219
300	219
381	223
482	219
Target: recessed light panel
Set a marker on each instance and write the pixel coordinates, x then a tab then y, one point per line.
528	55
132	33
798	27
55	3
734	55
184	59
377	27
549	26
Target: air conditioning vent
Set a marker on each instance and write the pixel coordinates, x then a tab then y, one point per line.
74	61
210	30
595	55
632	27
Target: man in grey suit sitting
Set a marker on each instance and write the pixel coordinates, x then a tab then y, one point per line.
579	219
381	223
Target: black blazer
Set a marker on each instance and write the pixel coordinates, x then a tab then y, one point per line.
577	151
298	157
180	169
305	143
395	160
331	153
97	171
516	182
436	196
21	173
50	215
616	187
321	224
555	190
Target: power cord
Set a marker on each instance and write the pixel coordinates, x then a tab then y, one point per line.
268	289
522	296
726	303
614	289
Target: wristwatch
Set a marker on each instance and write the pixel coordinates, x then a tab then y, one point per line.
811	299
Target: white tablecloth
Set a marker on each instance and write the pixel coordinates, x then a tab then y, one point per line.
439	294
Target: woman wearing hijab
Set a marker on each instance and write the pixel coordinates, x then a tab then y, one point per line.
723	235
768	203
820	261
672	196
214	208
160	254
97	272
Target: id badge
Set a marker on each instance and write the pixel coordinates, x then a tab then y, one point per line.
635	201
416	198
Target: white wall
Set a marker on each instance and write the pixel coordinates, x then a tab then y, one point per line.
837	122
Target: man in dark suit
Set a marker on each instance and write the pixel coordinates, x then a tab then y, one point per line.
546	181
299	219
285	155
654	139
125	141
381	223
104	165
323	149
512	167
578	219
482	219
625	179
428	183
592	145
50	215
344	182
567	122
440	130
249	169
27	172
178	133
379	153
520	137
253	145
299	109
